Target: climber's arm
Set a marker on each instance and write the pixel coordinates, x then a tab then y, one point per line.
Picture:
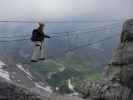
46	36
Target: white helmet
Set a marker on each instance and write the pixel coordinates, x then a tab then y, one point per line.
41	24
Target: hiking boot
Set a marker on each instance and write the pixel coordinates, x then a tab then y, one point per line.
33	61
41	58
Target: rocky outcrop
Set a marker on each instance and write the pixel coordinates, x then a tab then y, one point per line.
13	91
56	96
105	91
10	91
121	67
118	81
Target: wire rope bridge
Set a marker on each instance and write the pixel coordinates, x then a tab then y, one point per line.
74	40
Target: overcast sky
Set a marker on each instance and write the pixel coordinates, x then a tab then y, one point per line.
65	9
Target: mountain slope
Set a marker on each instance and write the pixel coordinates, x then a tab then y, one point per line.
20	74
11	91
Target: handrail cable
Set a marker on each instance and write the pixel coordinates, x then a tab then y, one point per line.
27	35
92	43
76	21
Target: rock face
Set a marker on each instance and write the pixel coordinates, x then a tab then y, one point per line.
118	81
10	91
56	96
121	67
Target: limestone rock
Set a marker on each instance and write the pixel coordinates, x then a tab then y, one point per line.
118	81
56	96
10	91
106	91
128	26
127	32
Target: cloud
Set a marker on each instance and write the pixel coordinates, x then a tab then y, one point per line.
36	9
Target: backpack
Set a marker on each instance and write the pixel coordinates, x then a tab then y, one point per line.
34	35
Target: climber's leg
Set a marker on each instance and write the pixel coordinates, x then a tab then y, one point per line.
36	51
42	52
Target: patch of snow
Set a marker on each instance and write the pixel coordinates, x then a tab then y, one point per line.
50	74
57	88
12	76
19	80
41	83
47	88
25	71
73	94
62	69
2	64
4	74
29	78
71	87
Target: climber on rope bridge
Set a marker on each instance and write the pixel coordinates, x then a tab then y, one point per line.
37	38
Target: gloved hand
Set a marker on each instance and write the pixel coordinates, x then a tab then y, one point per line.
46	36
